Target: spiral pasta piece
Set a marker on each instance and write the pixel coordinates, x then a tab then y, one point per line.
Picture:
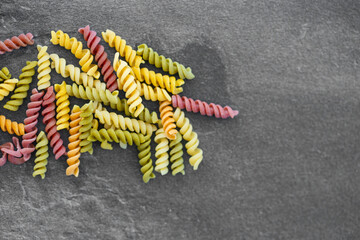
100	57
16	42
62	104
124	123
186	129
49	120
41	155
44	69
86	124
4	74
166	64
162	148
127	83
152	93
176	153
204	108
75	73
22	87
31	120
6	87
76	47
120	45
11	127
74	143
167	119
145	160
171	84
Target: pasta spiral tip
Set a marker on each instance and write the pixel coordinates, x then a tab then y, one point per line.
16	42
6	87
167	119
74	143
62	104
4	74
152	93
145	160
176	153
41	155
11	127
44	69
162	147
86	124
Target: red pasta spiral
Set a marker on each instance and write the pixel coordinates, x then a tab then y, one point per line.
204	108
100	57
49	120
16	42
32	114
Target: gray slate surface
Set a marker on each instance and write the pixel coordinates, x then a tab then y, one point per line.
286	168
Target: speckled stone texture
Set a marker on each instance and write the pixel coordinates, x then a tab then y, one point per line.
286	168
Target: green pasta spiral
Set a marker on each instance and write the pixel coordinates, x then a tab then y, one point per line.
145	160
22	87
41	155
4	74
176	155
86	124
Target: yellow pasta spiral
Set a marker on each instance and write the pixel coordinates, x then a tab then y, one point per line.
6	87
41	155
145	160
76	47
152	93
74	143
4	74
120	46
166	64
86	124
176	153
167	119
22	87
126	82
158	80
62	108
186	130
162	147
11	127
44	69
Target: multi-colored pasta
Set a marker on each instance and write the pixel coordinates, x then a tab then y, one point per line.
127	83
176	153
100	57
76	47
120	45
62	108
167	119
49	120
16	42
162	148
44	69
152	93
11	127
4	74
86	124
166	64
190	136
6	87
204	108
41	155
22	87
74	143
145	160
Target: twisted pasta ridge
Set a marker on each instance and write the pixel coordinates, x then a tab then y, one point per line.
171	84
12	155
31	120
100	57
4	74
41	155
176	153
49	120
166	64
74	143
162	147
167	119
75	73
11	127
44	69
8	146
6	87
186	130
22	87
86	124
145	160
127	83
62	104
16	42
152	94
93	94
76	47
204	108
120	45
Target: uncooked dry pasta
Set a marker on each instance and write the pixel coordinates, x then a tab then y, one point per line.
85	129
44	69
11	127
176	155
42	155
162	148
4	74
74	143
62	108
167	120
6	87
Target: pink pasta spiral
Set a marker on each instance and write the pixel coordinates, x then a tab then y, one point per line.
16	42
49	120
204	108
31	120
100	57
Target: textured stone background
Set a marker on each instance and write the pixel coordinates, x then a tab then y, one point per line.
286	168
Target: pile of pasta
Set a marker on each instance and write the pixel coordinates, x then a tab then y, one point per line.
129	122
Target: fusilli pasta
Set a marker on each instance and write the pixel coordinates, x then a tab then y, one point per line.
4	74
11	127
6	87
152	93
162	148
145	160
44	69
16	42
62	104
86	123
74	143
41	155
167	119
176	153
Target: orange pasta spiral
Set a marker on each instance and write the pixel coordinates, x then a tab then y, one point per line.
74	143
167	119
11	127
